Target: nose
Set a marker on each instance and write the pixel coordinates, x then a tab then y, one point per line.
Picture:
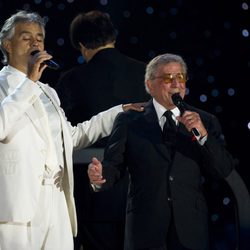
175	82
35	46
35	42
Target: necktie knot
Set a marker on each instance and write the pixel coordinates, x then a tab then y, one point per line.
168	114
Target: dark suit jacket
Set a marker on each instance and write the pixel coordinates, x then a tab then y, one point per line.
108	79
158	181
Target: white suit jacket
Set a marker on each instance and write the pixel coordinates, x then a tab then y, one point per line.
23	145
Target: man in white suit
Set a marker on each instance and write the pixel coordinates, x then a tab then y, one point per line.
37	209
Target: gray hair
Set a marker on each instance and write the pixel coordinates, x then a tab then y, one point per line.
8	29
160	60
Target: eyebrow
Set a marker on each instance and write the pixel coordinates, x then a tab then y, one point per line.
178	73
29	33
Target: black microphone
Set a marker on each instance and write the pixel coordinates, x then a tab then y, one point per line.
50	63
180	104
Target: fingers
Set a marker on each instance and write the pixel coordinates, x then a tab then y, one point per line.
190	117
133	106
98	182
36	65
190	120
95	172
95	166
95	161
193	118
41	56
60	173
58	178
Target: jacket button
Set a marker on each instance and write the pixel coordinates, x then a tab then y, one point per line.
171	178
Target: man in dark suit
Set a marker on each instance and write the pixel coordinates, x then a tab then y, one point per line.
166	208
110	76
105	79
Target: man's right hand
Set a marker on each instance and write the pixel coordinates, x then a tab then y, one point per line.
36	65
134	106
95	172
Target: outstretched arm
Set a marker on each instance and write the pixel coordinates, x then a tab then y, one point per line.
99	126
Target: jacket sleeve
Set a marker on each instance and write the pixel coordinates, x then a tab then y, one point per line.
88	132
114	163
15	104
216	159
99	126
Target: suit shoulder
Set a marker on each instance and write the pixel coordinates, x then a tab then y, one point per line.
201	112
133	61
125	59
73	72
70	77
206	117
129	116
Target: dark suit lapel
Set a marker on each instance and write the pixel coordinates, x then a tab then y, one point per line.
182	130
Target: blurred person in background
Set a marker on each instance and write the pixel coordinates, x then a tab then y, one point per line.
107	78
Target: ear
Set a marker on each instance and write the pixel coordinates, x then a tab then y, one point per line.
7	45
82	47
149	85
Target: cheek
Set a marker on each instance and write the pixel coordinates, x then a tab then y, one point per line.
155	89
183	91
183	86
161	90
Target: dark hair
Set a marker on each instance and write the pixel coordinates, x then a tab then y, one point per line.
93	29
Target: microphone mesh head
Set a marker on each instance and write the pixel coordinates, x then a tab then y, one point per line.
34	52
177	100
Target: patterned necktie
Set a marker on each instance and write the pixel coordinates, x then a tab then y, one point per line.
169	128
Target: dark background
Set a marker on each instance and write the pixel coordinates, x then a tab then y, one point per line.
211	35
208	34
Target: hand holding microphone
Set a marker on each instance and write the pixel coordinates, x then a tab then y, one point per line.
190	119
38	61
50	63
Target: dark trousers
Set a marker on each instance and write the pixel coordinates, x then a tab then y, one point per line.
172	241
96	233
100	236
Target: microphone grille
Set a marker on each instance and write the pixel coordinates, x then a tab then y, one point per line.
177	100
34	52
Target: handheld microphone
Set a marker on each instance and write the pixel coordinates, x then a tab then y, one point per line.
180	104
50	63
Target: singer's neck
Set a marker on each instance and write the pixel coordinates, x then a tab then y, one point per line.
19	66
89	53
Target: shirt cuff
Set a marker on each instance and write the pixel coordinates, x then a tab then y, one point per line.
120	108
96	188
202	140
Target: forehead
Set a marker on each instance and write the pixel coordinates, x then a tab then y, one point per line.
172	67
29	28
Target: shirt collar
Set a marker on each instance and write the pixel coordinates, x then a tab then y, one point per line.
160	110
14	70
15	74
